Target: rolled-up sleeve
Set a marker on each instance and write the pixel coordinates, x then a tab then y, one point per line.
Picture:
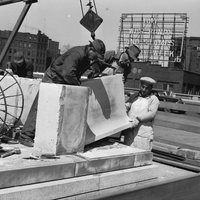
152	110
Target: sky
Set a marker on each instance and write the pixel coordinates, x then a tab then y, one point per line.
60	19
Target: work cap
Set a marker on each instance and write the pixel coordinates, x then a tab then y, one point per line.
124	58
18	57
99	47
147	80
133	52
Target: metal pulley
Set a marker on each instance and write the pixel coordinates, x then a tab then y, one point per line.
91	21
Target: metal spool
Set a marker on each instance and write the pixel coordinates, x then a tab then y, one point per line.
11	102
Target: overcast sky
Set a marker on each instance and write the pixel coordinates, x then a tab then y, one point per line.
59	19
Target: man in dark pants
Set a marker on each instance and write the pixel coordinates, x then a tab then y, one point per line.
66	69
21	66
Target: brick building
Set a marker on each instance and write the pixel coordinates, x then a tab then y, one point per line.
179	77
36	47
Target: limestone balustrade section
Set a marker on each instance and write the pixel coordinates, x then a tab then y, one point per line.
69	117
61	119
106	110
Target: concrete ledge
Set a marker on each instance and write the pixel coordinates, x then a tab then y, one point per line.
90	186
21	169
98	161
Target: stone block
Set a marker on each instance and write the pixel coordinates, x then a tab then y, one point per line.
61	119
131	175
112	158
86	187
106	110
36	172
29	88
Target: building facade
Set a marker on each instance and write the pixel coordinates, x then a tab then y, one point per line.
182	76
34	46
170	79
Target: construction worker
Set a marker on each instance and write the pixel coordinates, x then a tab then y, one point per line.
115	63
141	108
66	69
20	66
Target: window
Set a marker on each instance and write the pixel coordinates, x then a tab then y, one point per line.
197	67
198	54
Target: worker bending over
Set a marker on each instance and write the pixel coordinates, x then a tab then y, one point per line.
66	69
116	63
20	66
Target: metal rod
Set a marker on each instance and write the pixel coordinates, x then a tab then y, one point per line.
177	164
81	7
95	6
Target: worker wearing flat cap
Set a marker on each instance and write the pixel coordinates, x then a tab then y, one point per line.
117	63
141	109
20	66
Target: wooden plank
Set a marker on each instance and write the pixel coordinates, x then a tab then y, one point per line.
61	119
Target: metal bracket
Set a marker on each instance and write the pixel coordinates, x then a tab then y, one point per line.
91	21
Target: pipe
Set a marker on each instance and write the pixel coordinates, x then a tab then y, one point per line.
177	164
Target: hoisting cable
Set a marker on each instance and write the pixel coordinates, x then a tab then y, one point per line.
81	7
95	6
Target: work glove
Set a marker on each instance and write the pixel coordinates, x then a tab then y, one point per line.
134	122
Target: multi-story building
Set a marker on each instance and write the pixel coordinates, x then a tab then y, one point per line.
52	52
193	54
34	46
179	77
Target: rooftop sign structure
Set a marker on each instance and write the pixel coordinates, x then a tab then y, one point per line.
160	36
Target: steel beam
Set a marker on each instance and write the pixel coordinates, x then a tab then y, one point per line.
5	2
